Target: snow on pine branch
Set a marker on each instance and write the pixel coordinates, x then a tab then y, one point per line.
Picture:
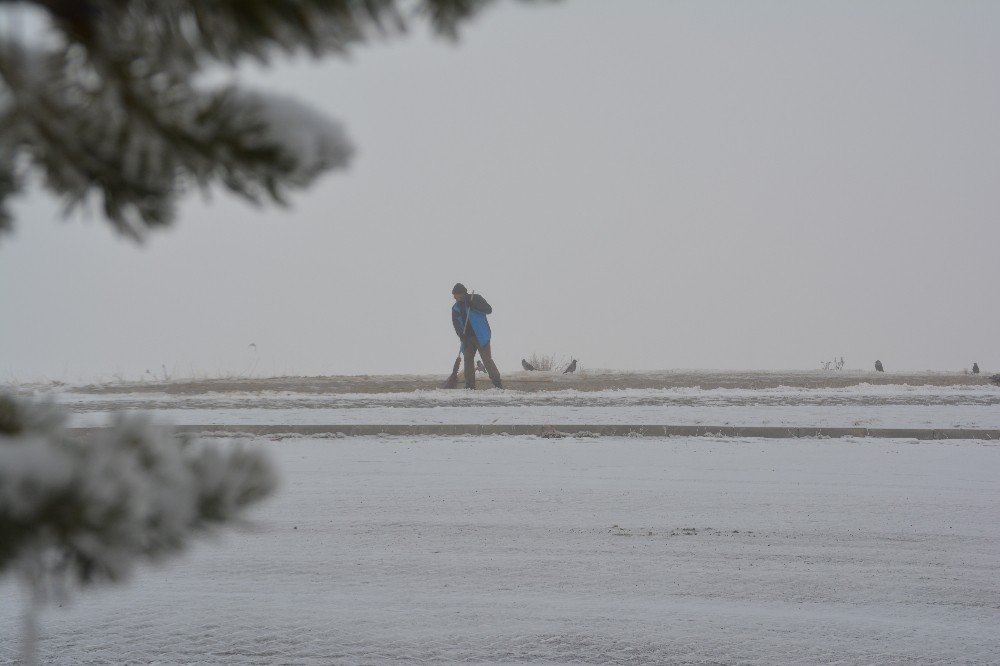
136	145
78	510
106	107
314	142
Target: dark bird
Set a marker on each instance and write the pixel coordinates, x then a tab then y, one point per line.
527	366
878	366
975	368
571	367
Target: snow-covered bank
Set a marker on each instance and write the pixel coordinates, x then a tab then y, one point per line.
861	394
896	416
585	380
605	551
865	405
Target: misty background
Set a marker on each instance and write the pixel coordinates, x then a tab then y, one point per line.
640	185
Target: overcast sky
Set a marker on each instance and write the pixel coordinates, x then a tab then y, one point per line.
638	184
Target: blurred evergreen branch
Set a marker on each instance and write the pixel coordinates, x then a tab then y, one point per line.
111	108
81	510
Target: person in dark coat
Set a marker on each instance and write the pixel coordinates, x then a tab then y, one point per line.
468	316
975	368
878	366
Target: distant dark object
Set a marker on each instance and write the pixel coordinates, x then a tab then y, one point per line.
878	366
571	367
480	367
527	366
975	368
995	379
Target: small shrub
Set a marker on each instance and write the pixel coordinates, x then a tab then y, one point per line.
547	362
835	364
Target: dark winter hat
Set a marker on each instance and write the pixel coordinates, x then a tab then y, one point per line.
459	288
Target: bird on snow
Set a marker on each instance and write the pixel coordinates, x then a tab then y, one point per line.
975	368
480	367
878	366
571	367
527	366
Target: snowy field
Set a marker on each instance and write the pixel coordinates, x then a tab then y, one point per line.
621	551
608	550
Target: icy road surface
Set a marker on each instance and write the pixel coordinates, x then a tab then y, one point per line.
620	551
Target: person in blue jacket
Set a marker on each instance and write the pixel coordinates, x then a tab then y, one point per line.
468	316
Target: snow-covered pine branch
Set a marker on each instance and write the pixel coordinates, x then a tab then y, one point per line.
108	107
313	142
139	143
81	510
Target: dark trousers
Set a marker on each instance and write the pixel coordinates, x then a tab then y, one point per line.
471	347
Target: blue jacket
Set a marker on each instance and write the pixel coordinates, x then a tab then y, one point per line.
479	325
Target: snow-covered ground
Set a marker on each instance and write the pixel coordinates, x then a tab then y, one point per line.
517	549
864	405
606	550
895	416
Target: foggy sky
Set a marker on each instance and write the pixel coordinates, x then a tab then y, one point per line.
636	184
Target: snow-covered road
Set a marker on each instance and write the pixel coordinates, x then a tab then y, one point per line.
517	549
